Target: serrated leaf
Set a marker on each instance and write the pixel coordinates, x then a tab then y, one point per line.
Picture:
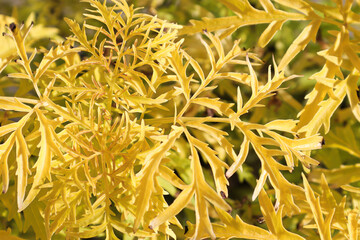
5	149
33	218
179	204
22	156
327	109
274	219
43	164
237	228
216	165
147	174
324	226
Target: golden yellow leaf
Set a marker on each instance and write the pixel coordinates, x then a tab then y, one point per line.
219	106
179	204
237	228
324	225
274	219
244	150
308	34
269	33
13	104
43	163
353	224
22	155
147	174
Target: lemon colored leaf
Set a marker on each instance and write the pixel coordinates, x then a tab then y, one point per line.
239	6
352	224
33	218
179	204
259	185
282	125
18	75
220	107
203	224
215	40
22	152
64	113
351	88
217	134
143	100
209	52
13	104
244	150
269	33
253	78
300	5
308	34
353	57
88	219
51	56
324	114
328	202
237	228
180	71
124	228
324	225
22	156
43	163
171	177
216	165
81	35
209	24
308	143
242	78
274	219
247	15
147	174
58	220
8	128
351	188
203	194
5	150
196	66
93	232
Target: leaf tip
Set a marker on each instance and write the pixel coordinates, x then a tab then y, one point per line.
12	26
186	229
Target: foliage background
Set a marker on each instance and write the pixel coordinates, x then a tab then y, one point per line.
341	143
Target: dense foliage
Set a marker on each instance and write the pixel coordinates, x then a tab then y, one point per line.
134	124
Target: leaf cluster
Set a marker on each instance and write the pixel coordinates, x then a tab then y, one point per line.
99	129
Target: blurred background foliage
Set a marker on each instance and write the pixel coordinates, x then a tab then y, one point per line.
341	143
